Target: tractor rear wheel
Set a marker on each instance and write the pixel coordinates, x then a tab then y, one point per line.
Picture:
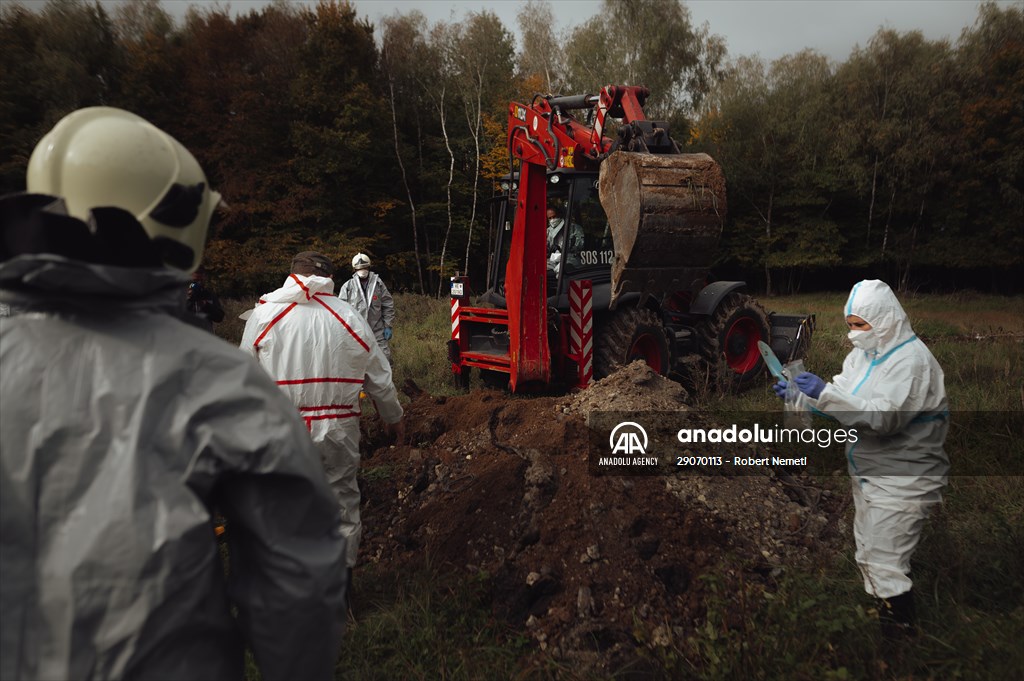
728	342
631	334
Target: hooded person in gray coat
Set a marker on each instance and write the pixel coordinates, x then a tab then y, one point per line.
125	429
370	297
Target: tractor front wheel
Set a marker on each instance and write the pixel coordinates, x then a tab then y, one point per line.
728	342
631	334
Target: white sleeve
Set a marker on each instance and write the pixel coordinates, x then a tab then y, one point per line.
346	293
254	326
844	379
387	304
897	396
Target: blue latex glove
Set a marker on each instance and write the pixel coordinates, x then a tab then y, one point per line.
780	388
809	384
387	333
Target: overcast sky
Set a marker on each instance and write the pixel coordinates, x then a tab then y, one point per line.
771	28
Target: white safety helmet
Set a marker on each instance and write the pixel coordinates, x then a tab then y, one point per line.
105	157
361	262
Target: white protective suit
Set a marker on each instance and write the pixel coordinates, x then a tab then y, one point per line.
892	391
123	430
374	303
322	354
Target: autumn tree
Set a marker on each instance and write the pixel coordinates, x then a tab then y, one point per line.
542	54
483	66
646	42
152	70
881	88
768	127
335	129
61	59
904	159
236	78
979	220
402	44
438	80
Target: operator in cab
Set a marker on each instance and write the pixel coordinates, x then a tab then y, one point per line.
556	227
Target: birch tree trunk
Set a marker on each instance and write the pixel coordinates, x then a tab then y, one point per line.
474	129
871	205
905	279
888	219
405	182
448	190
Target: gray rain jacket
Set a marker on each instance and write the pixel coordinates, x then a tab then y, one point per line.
375	304
123	429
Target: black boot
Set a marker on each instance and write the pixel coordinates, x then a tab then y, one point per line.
898	617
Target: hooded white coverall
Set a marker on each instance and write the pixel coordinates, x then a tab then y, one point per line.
892	392
374	303
122	430
321	353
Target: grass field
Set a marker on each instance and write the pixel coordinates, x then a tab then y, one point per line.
969	569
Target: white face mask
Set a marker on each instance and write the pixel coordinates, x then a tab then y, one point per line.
865	340
362	274
553	222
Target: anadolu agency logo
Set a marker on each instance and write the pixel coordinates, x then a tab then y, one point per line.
628	438
629	446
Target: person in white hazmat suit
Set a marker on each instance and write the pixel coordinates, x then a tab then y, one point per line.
124	429
367	293
891	390
321	352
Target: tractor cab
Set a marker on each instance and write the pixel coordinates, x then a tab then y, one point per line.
579	240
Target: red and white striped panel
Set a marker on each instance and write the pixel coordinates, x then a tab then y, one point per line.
581	329
602	112
455	318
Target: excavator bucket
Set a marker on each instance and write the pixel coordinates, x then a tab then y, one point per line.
665	213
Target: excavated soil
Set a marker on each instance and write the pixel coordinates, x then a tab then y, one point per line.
592	567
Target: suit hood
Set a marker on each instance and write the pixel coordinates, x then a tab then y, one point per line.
873	301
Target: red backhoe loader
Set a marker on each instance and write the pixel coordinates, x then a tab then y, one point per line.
602	256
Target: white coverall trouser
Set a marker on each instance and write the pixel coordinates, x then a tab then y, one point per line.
886	532
339	453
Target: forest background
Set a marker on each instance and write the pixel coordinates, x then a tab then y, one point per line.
903	162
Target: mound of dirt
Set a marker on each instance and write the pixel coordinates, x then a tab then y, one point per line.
634	387
591	566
